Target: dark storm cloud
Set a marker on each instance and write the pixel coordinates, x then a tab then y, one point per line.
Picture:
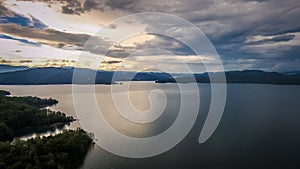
119	53
50	35
72	7
89	5
237	20
280	38
121	5
112	62
230	23
25	61
81	6
55	38
75	7
67	6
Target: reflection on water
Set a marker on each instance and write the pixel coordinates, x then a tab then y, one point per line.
260	127
46	134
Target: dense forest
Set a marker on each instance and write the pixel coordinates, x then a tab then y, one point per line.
4	93
21	115
63	151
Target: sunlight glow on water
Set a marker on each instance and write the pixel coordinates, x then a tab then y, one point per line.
260	126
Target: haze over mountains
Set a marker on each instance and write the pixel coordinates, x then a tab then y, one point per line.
22	75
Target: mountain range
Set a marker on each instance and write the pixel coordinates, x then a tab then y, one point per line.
22	75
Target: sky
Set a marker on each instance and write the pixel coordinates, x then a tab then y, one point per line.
246	34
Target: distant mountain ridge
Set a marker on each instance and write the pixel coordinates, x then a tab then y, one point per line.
15	75
22	75
245	76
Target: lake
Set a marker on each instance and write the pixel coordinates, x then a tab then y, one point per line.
260	127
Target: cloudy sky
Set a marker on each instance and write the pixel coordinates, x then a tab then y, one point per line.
247	34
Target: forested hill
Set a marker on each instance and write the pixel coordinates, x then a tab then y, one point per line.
246	76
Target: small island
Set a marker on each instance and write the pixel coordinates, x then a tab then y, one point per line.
23	115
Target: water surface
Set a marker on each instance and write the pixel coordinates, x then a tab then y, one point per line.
260	127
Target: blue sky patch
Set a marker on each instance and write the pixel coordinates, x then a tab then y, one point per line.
20	40
23	21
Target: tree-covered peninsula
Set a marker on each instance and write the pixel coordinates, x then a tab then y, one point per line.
24	115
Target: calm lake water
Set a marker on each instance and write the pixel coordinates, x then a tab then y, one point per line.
260	127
